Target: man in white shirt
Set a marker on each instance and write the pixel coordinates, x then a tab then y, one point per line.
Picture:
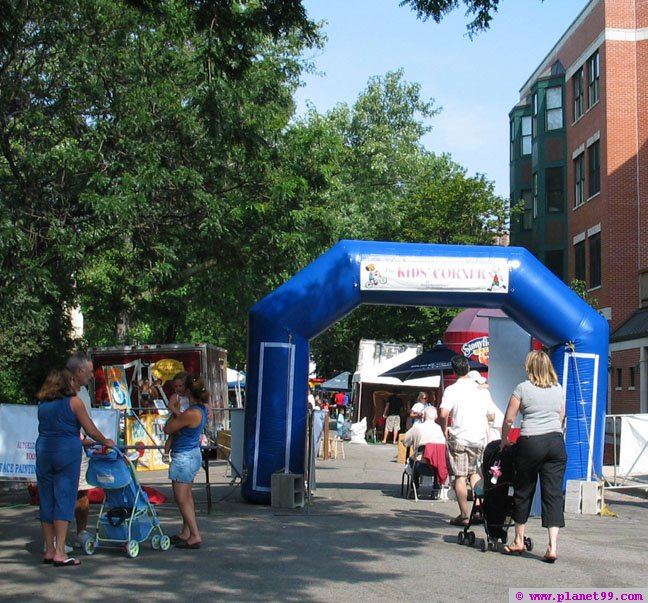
467	407
82	372
494	431
427	432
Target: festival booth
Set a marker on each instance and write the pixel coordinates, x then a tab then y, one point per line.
371	390
414	274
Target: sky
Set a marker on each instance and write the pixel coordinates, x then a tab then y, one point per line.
476	83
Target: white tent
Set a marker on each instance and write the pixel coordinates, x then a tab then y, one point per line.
370	377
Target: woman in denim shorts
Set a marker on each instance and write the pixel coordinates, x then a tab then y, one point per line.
186	460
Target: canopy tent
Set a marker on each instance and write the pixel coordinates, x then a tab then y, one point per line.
371	382
340	382
435	361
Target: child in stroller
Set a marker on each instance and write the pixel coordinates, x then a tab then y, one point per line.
493	499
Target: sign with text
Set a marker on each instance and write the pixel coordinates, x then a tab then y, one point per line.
434	274
19	431
143	432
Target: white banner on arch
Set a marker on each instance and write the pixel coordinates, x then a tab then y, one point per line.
394	273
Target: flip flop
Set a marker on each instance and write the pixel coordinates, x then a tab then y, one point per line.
459	521
48	561
69	562
186	545
175	539
509	550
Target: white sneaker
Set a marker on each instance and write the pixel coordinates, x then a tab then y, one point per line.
82	537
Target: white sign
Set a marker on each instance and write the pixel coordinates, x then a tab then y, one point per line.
634	443
18	433
392	273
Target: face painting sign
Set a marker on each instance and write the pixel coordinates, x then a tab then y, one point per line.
490	275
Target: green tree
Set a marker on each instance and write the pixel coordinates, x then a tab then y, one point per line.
138	141
383	185
437	9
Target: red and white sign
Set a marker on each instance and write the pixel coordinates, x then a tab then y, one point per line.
490	275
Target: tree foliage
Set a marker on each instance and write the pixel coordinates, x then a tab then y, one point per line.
154	175
437	9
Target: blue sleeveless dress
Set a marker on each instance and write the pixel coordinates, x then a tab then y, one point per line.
58	460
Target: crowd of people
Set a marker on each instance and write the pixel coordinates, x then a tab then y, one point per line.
65	427
466	420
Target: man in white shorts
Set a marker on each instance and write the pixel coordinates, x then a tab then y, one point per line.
81	368
466	437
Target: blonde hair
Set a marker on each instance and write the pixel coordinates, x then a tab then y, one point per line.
540	370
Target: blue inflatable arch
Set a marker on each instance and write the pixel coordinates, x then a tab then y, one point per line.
409	274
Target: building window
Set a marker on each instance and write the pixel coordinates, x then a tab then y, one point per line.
633	376
527	216
535	195
579	261
578	93
512	139
554	189
579	181
534	114
526	135
643	289
595	260
594	161
593	79
553	101
619	378
554	261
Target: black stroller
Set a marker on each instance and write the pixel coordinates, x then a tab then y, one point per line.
493	499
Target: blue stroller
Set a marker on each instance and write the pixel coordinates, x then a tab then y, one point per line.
126	516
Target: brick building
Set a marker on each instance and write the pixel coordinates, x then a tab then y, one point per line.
579	176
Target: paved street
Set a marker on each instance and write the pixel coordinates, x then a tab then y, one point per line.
356	541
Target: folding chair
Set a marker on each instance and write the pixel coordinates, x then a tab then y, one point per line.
414	471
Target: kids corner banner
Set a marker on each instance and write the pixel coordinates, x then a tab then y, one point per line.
18	433
392	273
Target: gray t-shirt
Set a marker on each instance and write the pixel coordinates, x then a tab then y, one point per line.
540	408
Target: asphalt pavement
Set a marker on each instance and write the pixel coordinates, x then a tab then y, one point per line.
356	540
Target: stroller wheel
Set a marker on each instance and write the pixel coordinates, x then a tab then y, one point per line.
460	538
165	543
471	538
528	543
482	545
89	546
132	548
155	542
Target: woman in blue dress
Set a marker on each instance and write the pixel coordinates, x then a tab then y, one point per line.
61	414
186	460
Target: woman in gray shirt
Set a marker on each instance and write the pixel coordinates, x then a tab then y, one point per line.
540	450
